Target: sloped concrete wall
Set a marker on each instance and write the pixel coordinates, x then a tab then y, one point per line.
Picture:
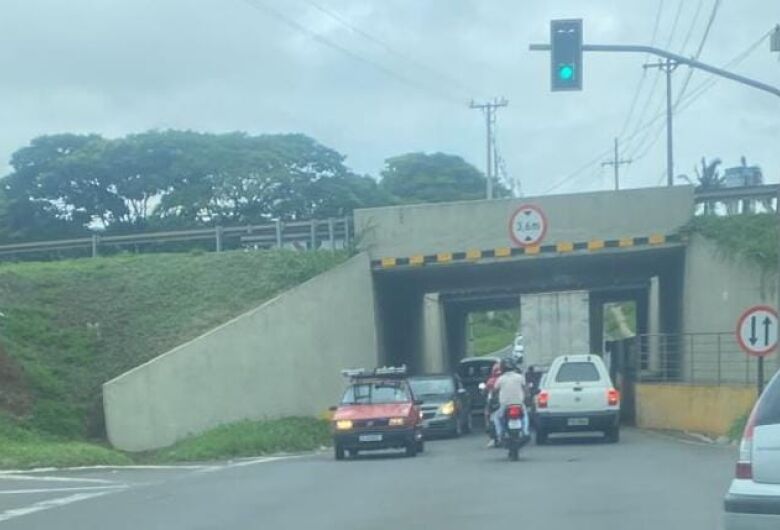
280	359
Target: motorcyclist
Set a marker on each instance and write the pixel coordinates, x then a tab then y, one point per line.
511	391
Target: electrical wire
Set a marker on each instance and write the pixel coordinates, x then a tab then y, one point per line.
710	22
687	101
643	77
278	15
341	19
657	78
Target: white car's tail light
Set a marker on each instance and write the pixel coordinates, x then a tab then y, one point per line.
745	462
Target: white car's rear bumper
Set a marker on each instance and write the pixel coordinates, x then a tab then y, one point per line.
752	506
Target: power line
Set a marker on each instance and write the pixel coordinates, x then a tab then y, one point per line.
710	22
695	19
657	76
642	79
261	6
389	49
686	102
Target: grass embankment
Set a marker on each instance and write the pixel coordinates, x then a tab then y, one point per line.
23	449
67	327
493	330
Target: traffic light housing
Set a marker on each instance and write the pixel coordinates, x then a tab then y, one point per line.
566	54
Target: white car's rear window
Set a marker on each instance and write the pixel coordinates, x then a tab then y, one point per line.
577	372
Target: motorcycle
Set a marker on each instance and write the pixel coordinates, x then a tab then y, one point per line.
514	435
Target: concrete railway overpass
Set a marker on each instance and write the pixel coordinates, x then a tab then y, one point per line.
405	298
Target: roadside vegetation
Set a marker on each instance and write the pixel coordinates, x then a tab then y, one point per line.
247	438
752	237
22	448
67	327
493	330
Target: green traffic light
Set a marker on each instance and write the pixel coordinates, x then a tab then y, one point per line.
566	72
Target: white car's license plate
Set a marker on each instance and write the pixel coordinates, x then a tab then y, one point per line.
370	438
515	424
577	422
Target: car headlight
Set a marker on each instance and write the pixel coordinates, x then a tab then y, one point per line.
396	422
448	409
343	425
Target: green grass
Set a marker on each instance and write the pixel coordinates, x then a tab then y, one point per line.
67	327
248	438
752	237
737	427
493	334
22	449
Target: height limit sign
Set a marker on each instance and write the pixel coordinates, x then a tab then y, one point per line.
527	226
757	330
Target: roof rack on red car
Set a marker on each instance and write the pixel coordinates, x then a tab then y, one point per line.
385	372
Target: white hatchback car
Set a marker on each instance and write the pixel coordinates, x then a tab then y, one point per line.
577	395
753	500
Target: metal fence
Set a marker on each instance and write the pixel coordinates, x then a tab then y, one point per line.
695	358
299	235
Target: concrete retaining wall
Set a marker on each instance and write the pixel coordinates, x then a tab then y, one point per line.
400	231
280	359
718	288
697	408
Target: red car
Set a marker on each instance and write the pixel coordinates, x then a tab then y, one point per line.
377	411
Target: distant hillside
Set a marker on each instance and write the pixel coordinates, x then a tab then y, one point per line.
66	327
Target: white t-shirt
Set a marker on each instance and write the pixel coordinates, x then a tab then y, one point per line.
511	389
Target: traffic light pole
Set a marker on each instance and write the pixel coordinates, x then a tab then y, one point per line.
693	63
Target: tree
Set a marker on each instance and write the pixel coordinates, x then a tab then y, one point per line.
709	178
438	177
36	190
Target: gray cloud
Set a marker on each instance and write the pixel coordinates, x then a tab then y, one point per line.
115	66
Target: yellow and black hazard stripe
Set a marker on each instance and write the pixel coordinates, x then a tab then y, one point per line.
561	247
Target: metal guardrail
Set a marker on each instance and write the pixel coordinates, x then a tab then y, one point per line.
302	235
694	358
766	191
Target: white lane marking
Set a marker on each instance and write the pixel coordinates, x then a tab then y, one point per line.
60	490
242	463
91	468
49	504
260	460
47	478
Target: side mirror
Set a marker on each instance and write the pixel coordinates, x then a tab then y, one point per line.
332	408
418	402
461	391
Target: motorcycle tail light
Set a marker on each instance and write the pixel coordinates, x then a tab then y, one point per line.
514	412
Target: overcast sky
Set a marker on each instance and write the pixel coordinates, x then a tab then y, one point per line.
398	80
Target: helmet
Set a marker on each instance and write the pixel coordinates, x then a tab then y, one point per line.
508	364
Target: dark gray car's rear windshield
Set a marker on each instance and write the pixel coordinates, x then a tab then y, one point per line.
474	369
432	386
577	372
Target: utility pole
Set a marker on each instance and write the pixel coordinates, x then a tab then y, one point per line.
489	109
616	163
668	66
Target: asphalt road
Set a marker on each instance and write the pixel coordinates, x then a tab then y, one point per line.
645	482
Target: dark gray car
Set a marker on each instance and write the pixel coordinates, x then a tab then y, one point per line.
446	406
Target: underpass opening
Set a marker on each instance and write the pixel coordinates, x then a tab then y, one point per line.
423	311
